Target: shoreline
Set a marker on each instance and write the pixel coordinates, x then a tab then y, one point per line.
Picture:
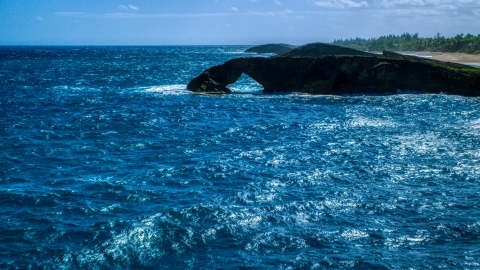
447	56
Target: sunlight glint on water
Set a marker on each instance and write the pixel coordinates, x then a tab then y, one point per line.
108	161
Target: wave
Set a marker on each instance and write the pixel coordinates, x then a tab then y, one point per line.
169	89
472	64
418	55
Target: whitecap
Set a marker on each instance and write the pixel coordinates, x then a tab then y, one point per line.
370	122
71	88
97	179
418	55
170	89
354	234
475	124
110	208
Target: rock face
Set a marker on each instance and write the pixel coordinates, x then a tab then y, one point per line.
271	48
343	74
322	49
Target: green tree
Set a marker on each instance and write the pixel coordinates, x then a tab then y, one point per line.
410	42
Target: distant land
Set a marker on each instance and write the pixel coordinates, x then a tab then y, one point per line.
412	42
278	48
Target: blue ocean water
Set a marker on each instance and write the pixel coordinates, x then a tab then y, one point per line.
107	161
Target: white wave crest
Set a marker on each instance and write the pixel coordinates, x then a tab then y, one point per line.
472	64
170	89
474	124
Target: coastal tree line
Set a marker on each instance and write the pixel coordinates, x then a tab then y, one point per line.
412	42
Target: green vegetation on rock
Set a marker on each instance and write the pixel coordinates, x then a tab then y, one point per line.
412	42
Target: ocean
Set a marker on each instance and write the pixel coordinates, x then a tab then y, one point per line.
108	162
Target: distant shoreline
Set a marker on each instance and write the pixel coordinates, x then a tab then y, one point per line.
447	56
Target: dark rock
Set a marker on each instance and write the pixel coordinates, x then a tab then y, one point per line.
214	80
322	49
341	74
271	48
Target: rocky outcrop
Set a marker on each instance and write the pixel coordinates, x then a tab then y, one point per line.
322	49
271	48
343	74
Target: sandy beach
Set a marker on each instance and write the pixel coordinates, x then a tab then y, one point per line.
450	57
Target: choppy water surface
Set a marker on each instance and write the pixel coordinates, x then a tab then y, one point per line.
107	161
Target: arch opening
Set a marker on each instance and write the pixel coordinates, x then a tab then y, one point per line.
245	84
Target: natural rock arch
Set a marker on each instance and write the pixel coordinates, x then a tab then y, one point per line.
342	74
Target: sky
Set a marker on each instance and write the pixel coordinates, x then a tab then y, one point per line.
227	22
